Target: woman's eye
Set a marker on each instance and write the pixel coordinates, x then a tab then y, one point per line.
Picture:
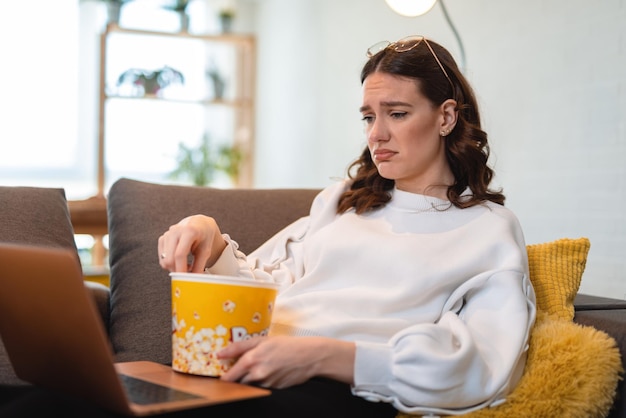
367	119
398	115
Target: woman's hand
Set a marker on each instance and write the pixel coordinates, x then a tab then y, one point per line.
197	235
280	362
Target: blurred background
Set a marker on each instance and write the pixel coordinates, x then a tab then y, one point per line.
550	77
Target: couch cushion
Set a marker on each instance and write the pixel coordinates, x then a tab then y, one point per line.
140	318
37	216
556	270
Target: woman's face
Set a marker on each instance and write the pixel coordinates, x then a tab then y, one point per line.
403	134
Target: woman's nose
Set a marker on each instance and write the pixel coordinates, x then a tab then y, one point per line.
377	131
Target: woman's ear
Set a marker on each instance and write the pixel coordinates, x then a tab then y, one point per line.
450	114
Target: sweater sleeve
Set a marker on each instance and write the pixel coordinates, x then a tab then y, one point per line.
471	357
279	259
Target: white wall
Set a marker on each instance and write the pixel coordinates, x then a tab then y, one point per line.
550	77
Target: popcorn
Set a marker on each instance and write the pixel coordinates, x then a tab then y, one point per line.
195	352
229	306
176	325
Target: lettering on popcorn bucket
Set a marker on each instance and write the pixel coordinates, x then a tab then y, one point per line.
211	311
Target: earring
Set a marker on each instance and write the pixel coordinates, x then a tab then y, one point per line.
444	132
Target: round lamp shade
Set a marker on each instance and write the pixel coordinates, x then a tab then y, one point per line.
411	8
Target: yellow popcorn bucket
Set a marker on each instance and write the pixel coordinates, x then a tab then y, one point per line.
209	312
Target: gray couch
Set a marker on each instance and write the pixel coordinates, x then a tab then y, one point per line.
136	308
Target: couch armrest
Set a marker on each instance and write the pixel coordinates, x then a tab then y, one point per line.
584	302
32	216
102	297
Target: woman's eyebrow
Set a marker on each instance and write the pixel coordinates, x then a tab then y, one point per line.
386	104
395	103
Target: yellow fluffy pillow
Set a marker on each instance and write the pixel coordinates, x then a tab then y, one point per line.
556	269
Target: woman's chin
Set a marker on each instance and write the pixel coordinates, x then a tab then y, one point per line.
385	172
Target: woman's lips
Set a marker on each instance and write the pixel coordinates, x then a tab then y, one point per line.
383	154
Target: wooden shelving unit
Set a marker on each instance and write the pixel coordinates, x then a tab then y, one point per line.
89	216
241	103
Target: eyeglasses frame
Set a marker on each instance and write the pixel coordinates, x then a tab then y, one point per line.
403	46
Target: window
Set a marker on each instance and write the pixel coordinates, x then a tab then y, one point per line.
39	130
50	138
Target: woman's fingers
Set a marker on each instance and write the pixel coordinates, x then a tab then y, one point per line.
187	245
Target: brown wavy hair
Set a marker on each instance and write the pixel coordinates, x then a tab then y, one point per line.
467	150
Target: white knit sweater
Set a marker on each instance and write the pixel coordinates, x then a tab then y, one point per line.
436	298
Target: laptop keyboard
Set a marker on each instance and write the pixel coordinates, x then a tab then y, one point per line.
147	393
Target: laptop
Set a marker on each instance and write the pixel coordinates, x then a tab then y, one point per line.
55	339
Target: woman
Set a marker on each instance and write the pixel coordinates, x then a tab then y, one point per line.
408	283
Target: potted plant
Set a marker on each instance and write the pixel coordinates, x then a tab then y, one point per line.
229	161
218	82
151	82
226	17
199	165
180	7
114	10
